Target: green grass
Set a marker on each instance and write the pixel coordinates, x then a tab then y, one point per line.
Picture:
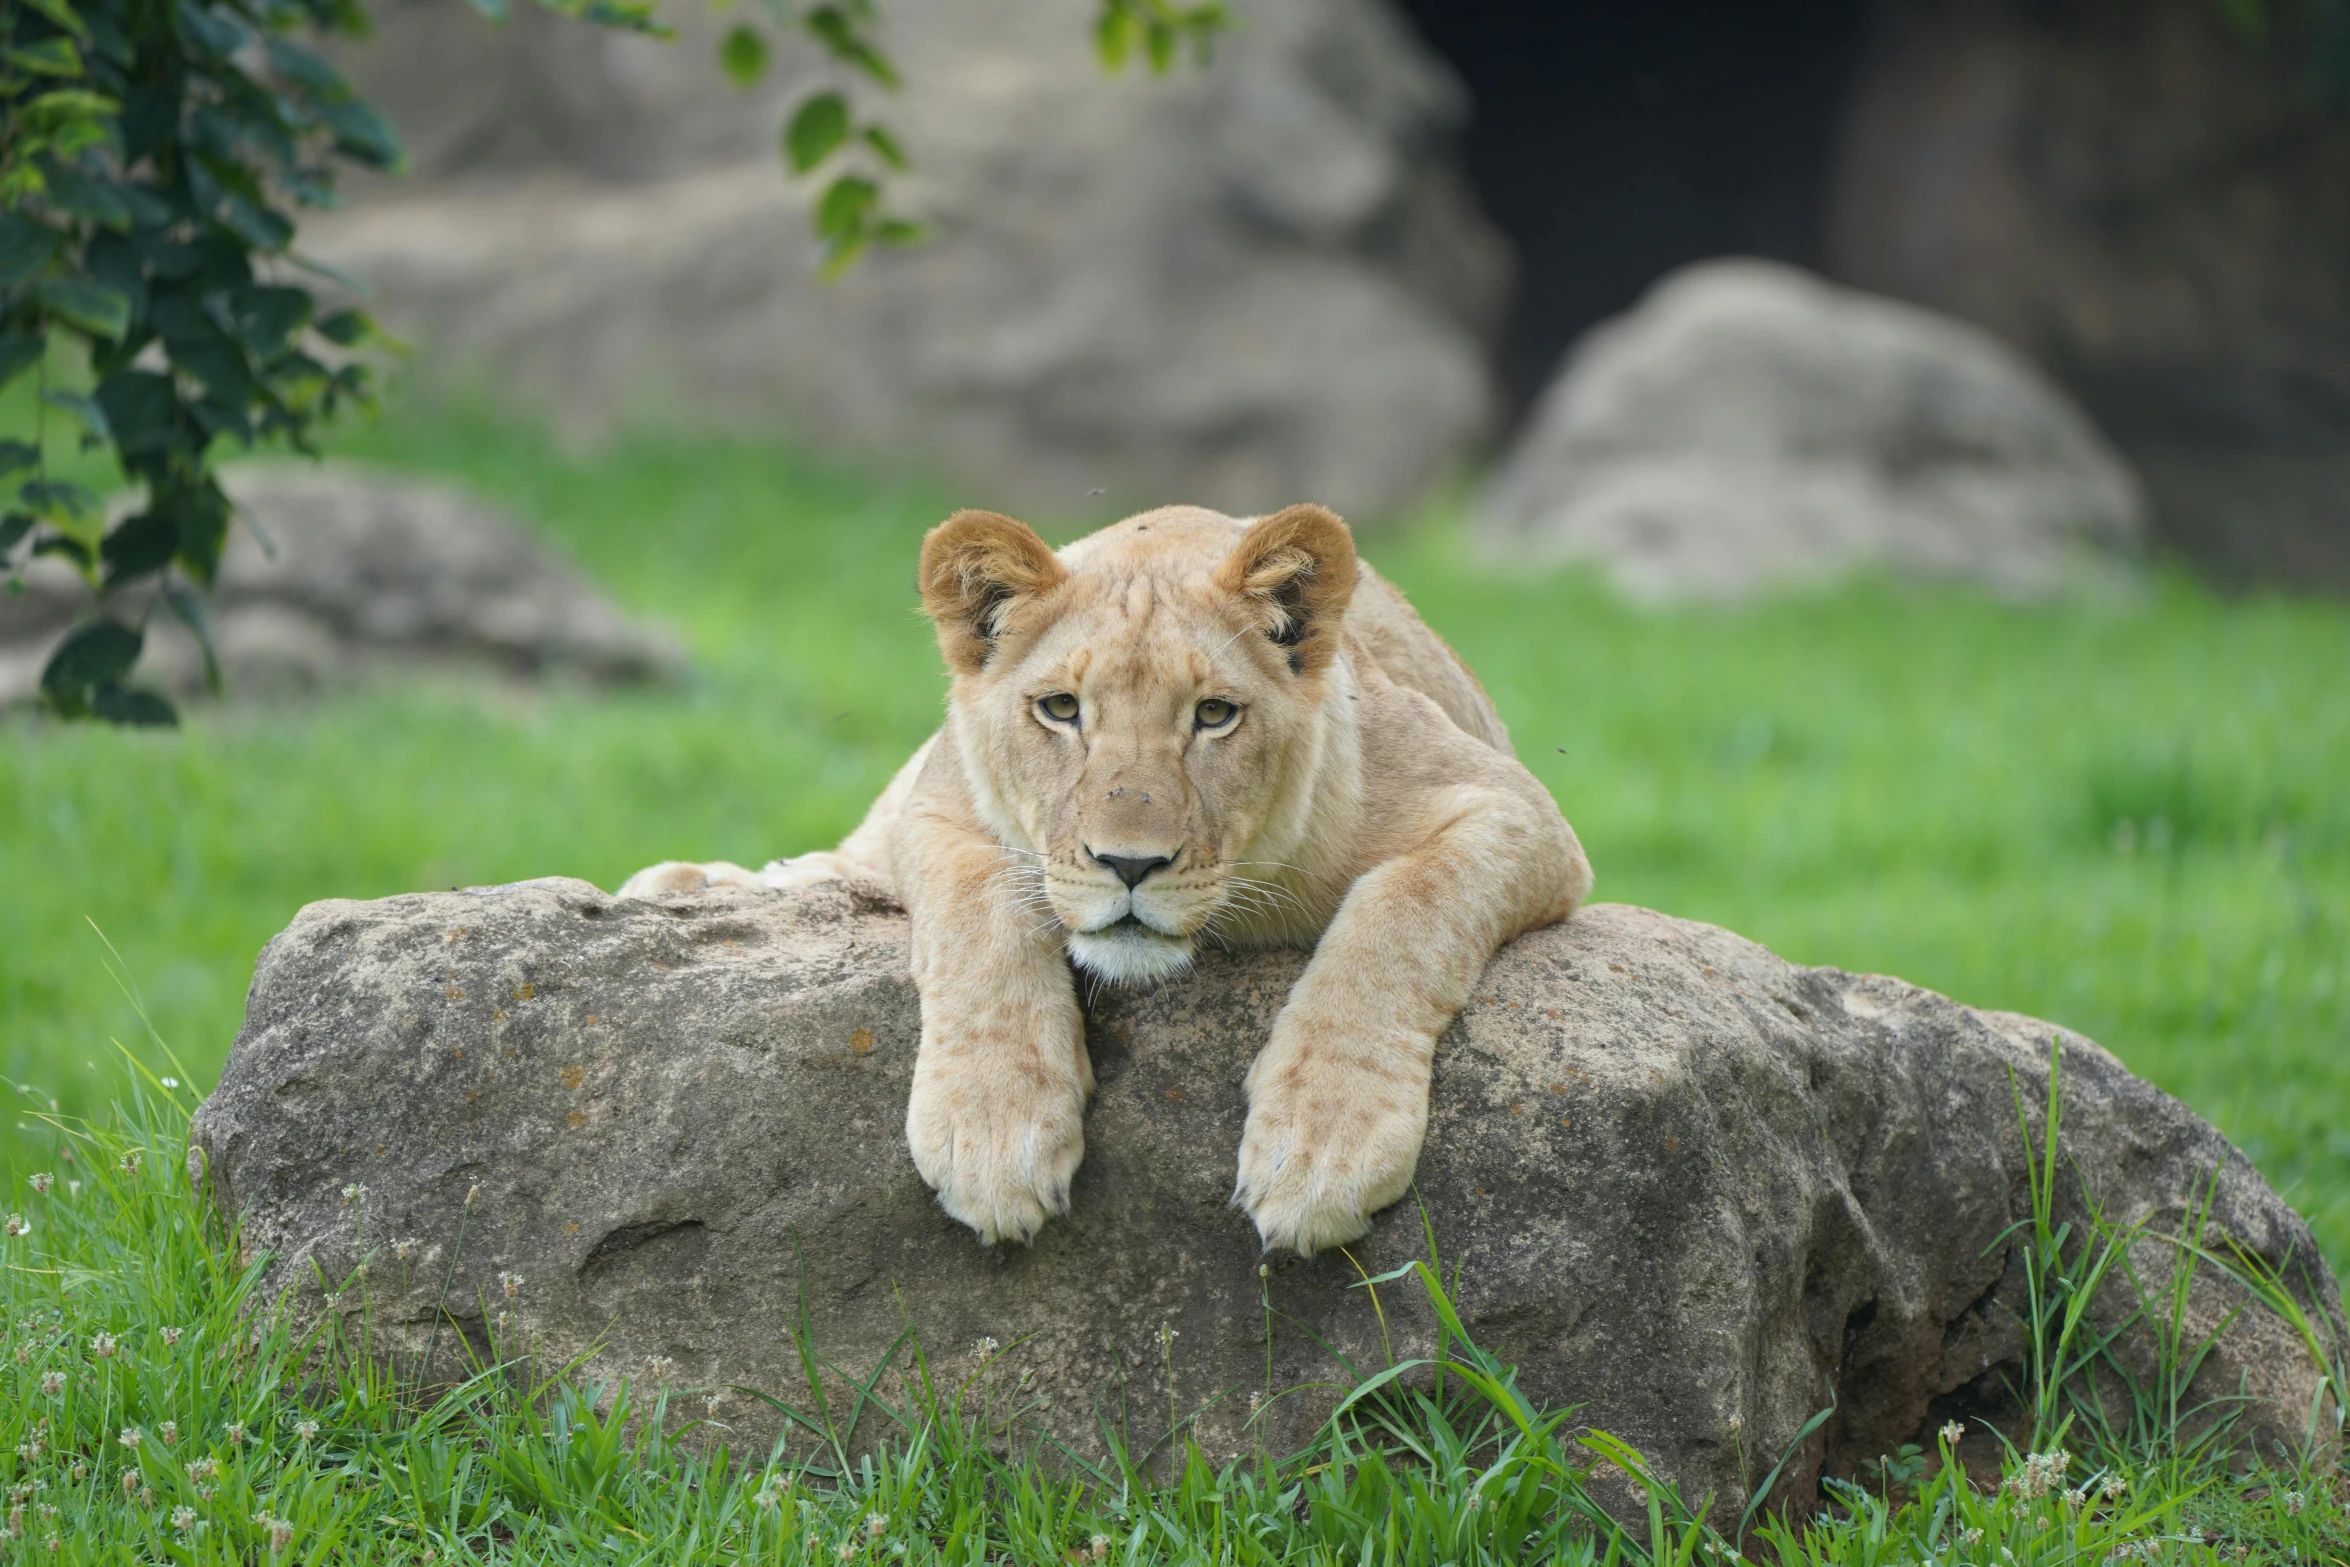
2132	818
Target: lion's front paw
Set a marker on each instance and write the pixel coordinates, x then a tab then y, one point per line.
998	1145
673	876
1328	1144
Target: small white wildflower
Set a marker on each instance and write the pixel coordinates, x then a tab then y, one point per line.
15	1529
1953	1432
353	1192
711	1401
847	1552
503	1319
876	1525
235	1434
1970	1537
281	1533
170	1082
183	1518
16	1224
42	1182
2292	1502
511	1283
985	1347
660	1366
53	1383
1737	1425
130	1481
404	1250
2113	1487
203	1469
764	1500
131	1437
171	1338
472	1194
1098	1547
1256	1401
169	1431
304	1430
73	1188
104	1345
129	1163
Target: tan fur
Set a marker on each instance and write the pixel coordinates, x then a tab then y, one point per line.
1362	799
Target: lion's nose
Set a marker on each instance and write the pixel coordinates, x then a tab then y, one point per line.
1130	868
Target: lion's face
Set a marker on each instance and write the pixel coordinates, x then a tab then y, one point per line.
1135	716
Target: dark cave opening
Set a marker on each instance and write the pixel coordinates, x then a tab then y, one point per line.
1612	142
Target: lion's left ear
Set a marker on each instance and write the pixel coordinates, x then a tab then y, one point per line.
978	568
1297	567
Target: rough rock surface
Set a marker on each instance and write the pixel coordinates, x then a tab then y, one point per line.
2155	205
1682	1181
334	571
1243	285
1747	425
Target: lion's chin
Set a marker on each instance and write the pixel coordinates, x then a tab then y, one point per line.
1131	954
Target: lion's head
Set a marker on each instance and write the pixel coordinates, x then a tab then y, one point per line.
1139	717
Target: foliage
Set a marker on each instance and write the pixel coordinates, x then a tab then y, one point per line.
154	1405
150	153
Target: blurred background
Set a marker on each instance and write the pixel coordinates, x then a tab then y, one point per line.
1890	460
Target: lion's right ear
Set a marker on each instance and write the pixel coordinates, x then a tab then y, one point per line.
977	568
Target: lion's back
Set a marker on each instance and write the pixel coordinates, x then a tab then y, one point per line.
1384	625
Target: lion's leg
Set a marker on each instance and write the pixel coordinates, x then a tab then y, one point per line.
996	1120
1338	1099
685	876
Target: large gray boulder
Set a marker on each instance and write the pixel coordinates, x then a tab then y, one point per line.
1749	426
336	572
1242	284
1696	1188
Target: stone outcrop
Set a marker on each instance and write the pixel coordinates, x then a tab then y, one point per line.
1243	284
1749	426
2155	203
1695	1188
334	572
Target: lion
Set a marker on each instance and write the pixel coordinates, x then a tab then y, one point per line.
1190	728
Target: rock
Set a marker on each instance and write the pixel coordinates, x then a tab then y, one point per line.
1748	426
1243	284
334	572
1682	1182
2157	207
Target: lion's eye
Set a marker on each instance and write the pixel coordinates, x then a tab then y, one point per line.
1060	707
1214	713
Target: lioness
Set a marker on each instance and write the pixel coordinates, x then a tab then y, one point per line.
1190	728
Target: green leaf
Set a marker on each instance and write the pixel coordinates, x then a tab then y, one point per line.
210	29
263	317
841	211
346	327
881	141
362	133
1113	36
92	416
13	528
832	27
139	546
62	504
817	129
121	704
256	225
48	57
60	14
900	232
97	310
743	52
19	352
190	611
143	409
90	199
16	455
306	67
100	653
25	248
65	104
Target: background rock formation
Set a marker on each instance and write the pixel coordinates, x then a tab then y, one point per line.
1241	285
335	572
1681	1181
1749	426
